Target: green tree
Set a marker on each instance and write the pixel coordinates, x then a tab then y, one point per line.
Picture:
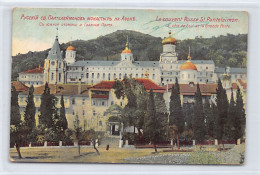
229	129
15	111
142	98
176	119
77	131
239	122
152	122
48	111
18	135
29	114
62	123
16	127
210	117
198	123
222	106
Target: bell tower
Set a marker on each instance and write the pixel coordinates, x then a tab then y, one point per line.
54	65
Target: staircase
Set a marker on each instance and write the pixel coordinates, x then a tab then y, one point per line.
111	140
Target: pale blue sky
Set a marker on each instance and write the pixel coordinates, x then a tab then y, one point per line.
28	35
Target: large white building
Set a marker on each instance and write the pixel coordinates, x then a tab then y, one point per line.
59	70
87	86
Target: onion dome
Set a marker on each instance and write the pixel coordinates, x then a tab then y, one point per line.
188	65
169	40
126	50
70	47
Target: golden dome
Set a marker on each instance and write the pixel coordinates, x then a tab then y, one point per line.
188	65
126	50
70	47
169	40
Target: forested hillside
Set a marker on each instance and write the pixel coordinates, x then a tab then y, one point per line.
230	50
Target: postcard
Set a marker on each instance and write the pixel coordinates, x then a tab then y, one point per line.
128	86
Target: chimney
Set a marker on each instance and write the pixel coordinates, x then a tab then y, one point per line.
79	86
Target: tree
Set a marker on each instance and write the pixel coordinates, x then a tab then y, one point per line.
176	118
47	109
62	123
222	106
18	135
16	128
29	114
229	130
210	117
15	111
239	121
198	123
142	98
77	131
152	122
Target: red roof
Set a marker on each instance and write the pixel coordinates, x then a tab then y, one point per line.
63	89
34	71
187	89
104	85
148	84
20	87
234	86
243	84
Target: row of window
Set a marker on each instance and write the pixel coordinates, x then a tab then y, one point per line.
98	68
109	76
32	83
31	76
177	67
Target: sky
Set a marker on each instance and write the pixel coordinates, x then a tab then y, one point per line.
32	34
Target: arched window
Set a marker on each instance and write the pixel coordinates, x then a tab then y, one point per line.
98	75
109	76
114	75
52	76
104	75
120	76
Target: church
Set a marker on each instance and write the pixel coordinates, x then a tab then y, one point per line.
59	70
87	86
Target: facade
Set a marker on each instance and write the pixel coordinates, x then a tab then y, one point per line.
87	86
59	70
32	77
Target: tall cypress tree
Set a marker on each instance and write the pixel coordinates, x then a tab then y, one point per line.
209	111
229	126
176	114
198	123
29	115
15	112
239	122
152	122
62	117
222	106
47	109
